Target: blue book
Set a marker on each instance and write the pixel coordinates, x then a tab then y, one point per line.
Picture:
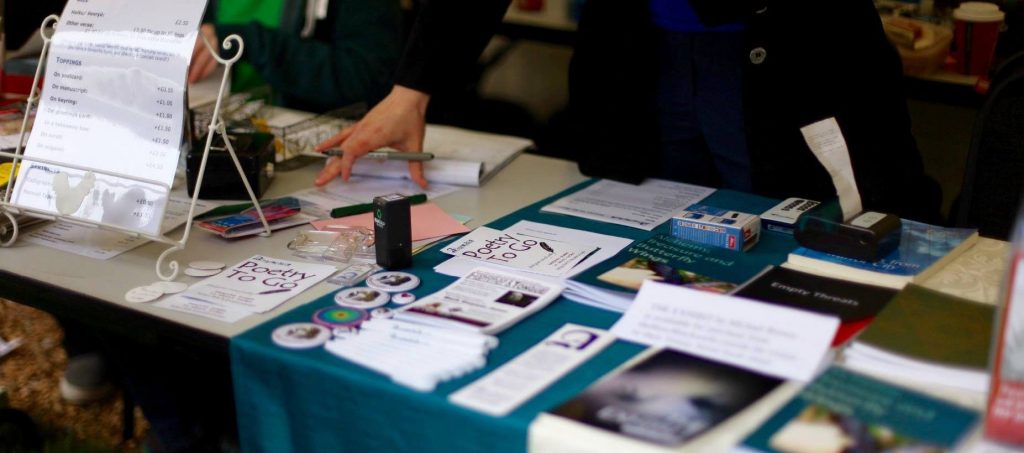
849	412
923	250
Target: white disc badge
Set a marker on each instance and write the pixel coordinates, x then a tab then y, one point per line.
206	265
193	272
142	294
362	297
300	335
169	287
393	282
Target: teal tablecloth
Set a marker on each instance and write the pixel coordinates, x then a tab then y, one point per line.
309	401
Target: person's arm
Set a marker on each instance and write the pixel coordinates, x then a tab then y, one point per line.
445	42
354	65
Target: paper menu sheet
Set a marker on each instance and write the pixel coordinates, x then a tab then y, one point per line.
827	143
773	340
113	100
643	206
105	244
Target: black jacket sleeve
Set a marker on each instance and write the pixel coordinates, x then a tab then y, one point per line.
446	41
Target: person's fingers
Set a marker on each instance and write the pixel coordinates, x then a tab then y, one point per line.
337	139
347	161
331	169
416	173
202	68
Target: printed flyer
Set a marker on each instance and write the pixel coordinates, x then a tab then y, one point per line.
521	251
258	284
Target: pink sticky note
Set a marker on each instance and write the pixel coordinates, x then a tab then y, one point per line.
428	221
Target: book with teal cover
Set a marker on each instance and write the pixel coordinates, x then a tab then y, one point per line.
845	411
923	249
680	258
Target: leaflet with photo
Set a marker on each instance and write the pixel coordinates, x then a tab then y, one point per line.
518	380
258	284
486	300
520	251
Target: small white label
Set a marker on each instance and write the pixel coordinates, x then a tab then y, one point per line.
867	219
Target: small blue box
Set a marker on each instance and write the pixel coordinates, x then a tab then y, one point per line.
709	225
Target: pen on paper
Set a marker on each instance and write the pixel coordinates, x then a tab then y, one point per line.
275	291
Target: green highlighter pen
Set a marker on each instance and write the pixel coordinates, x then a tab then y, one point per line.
346	211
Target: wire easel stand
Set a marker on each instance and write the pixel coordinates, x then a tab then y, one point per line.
11	210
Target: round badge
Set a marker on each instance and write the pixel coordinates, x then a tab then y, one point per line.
382	313
403	298
193	272
169	287
393	282
142	294
300	335
332	317
361	297
206	265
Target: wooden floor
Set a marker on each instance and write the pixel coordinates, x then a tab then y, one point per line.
30	376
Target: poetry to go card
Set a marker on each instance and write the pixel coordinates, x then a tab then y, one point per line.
257	284
520	251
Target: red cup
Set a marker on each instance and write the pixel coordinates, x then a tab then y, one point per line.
975	32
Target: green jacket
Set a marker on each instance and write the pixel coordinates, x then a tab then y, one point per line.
316	64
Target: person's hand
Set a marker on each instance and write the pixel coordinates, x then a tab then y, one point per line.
397	122
203	63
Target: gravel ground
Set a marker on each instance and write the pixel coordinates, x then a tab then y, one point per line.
30	376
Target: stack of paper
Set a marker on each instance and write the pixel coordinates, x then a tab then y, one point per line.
414	355
462	157
928	337
429	223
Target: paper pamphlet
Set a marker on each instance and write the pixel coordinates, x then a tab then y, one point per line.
113	101
441	171
428	221
256	285
777	341
607	246
486	300
827	143
318	201
522	378
105	244
520	251
643	206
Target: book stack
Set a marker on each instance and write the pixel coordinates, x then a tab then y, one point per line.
927	337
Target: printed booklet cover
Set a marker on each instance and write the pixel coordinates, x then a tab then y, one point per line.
842	411
923	250
667	398
855	304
